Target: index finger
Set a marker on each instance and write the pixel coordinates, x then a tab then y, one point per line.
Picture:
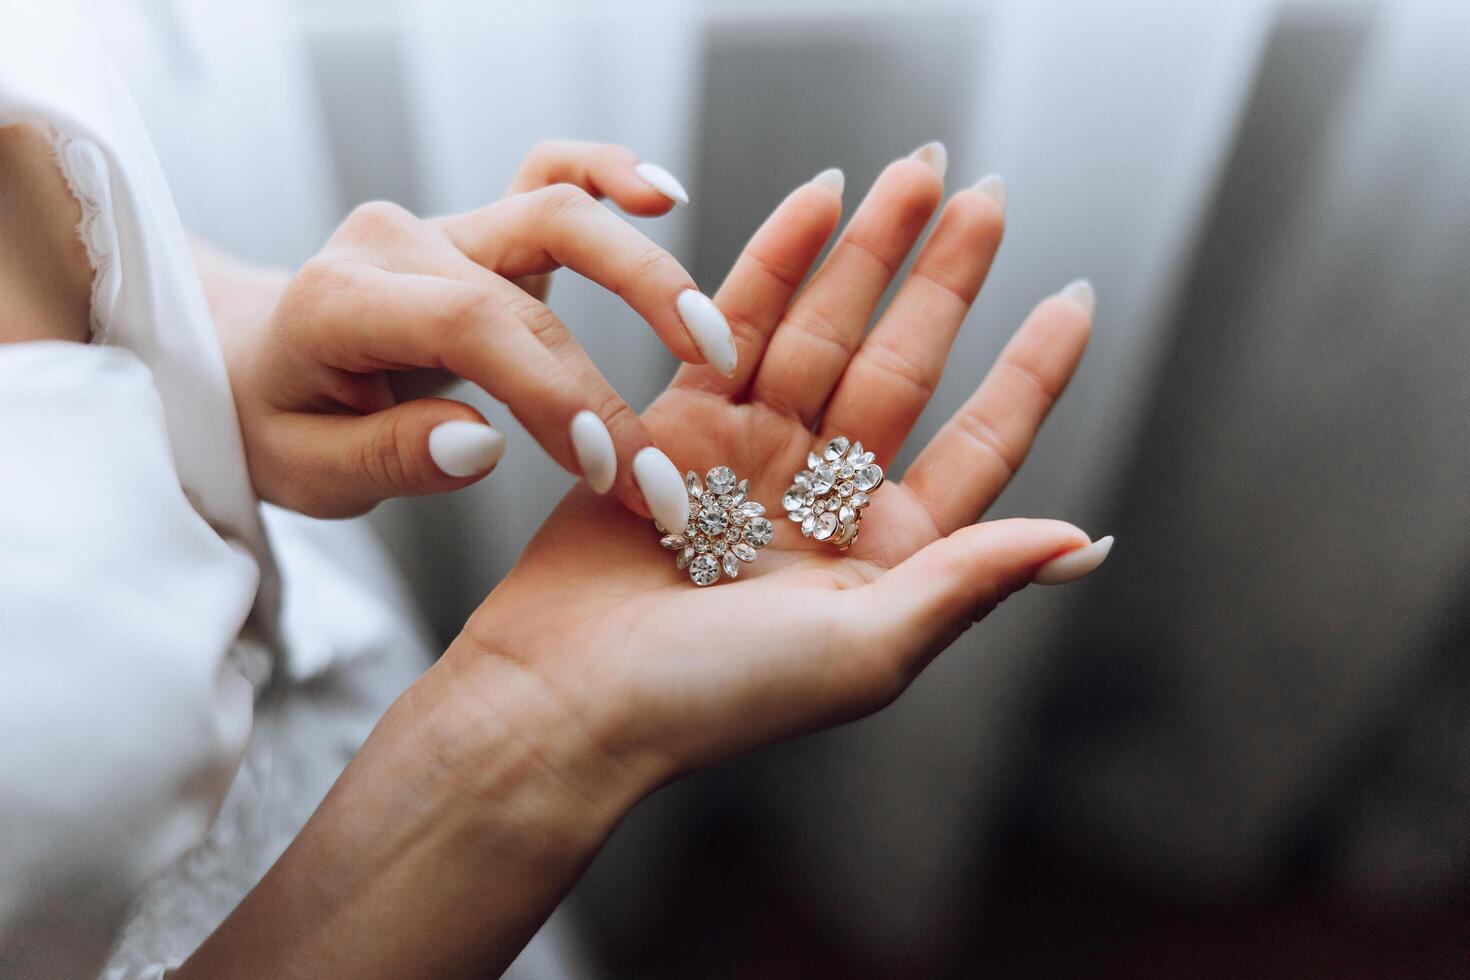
534	233
602	170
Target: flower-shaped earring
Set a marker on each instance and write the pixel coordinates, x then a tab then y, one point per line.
827	499
725	529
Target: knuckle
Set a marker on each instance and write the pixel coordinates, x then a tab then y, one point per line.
616	414
378	219
318	278
460	311
537	318
902	368
984	435
386	460
563	201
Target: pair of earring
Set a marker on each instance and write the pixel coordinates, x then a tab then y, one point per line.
727	529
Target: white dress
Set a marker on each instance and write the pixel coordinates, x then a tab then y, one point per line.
183	671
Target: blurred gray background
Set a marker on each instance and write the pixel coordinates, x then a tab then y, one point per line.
1243	748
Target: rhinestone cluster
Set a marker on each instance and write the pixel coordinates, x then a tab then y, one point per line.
724	529
828	497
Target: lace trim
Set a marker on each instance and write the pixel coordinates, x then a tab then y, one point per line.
84	167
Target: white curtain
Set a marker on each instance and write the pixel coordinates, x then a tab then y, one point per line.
1129	134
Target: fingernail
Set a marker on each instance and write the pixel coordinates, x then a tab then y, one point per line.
832	179
463	448
594	448
934	155
1080	292
1074	564
993	187
662	181
709	329
663	489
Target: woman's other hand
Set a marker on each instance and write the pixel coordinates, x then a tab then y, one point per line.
669	677
327	432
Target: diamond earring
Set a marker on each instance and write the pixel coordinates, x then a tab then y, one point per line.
725	528
828	497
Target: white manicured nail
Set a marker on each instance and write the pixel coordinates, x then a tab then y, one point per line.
934	155
1074	564
662	181
1080	292
993	187
832	179
464	448
708	327
594	448
663	489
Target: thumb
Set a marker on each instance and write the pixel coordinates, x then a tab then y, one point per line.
348	464
940	590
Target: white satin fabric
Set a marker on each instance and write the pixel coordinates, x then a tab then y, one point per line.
141	626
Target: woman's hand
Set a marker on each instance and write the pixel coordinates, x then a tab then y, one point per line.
667	677
326	432
597	671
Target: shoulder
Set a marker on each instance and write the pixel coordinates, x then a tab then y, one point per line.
45	276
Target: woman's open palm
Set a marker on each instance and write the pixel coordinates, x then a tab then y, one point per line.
680	676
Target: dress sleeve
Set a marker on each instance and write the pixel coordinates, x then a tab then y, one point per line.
122	719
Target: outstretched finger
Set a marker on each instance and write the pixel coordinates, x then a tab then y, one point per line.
972	458
811	348
758	290
891	378
602	170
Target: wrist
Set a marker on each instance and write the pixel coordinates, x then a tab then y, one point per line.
508	750
461	824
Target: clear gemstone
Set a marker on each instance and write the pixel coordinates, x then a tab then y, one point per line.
718	547
712	521
808	523
685	557
674	542
738	517
822	479
760	532
847	535
744	552
709	501
813	461
752	509
826	524
858	499
793	498
800	514
861	460
810	499
869	477
855	451
741	492
845	471
691	481
701	545
704	570
846	515
803	478
732	565
846	488
727	501
836	448
721	479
